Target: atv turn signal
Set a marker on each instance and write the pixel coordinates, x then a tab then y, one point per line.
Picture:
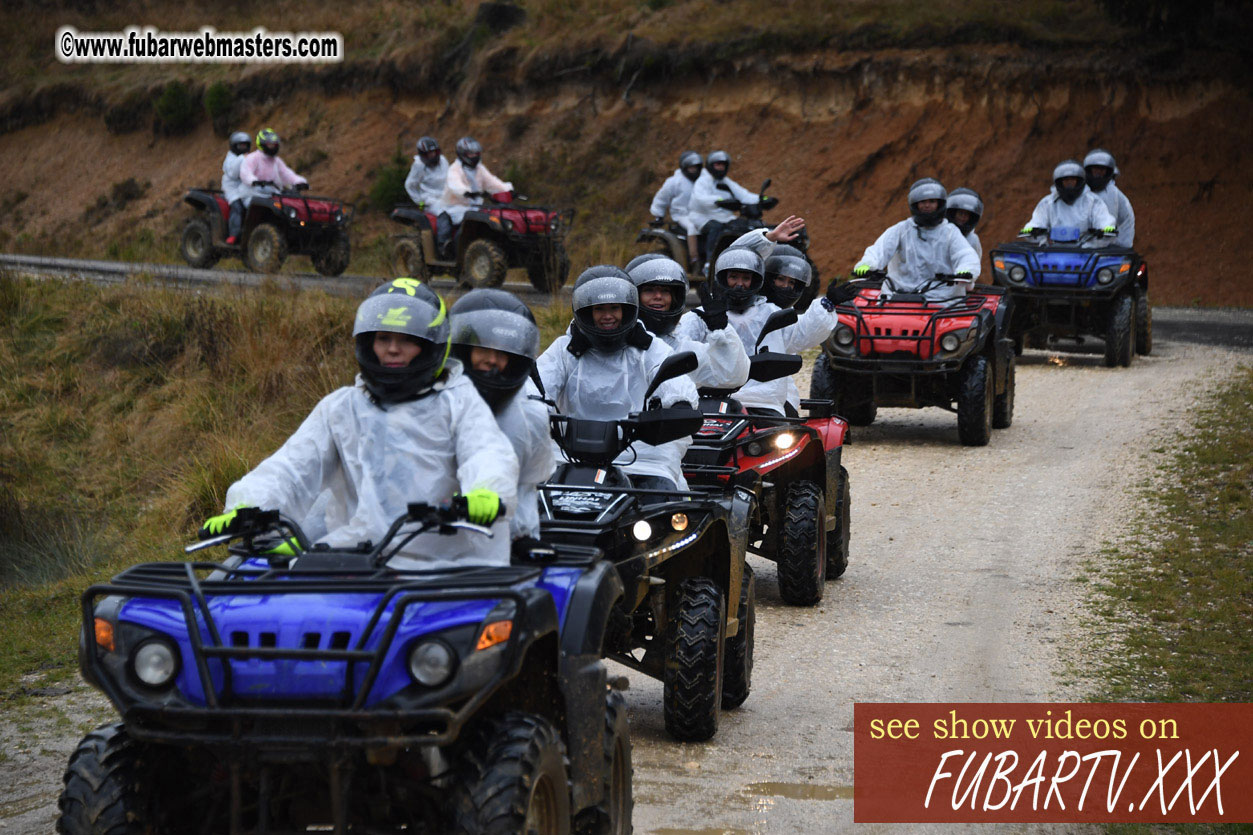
104	634
494	633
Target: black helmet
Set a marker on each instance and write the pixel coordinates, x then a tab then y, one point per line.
927	189
428	150
267	141
469	151
690	164
404	305
965	199
495	319
640	259
739	258
606	288
721	159
1065	170
796	269
1099	158
240	142
661	272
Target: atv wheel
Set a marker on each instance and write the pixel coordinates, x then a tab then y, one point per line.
196	245
1144	324
511	777
266	249
484	264
408	261
974	402
827	384
693	673
100	795
1003	404
821	386
1119	332
548	273
612	815
803	545
837	540
737	678
333	258
862	414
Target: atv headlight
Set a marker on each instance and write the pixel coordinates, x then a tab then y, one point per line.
555	223
844	336
508	224
678	521
950	342
1018	273
339	216
641	530
1104	275
155	663
784	440
291	212
431	663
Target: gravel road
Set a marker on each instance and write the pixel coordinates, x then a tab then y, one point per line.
963	586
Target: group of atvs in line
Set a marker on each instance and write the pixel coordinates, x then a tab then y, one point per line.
266	693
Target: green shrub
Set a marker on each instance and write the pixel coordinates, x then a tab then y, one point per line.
176	109
389	183
219	103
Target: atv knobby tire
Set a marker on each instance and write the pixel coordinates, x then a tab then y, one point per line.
266	249
693	673
1003	404
100	796
484	264
1120	332
737	676
975	402
511	778
837	540
547	273
612	815
196	244
1144	324
851	401
408	260
802	554
333	258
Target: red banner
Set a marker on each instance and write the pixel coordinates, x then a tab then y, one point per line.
1055	763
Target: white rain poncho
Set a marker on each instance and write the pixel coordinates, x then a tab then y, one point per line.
702	207
913	254
524	420
260	166
722	362
462	181
352	467
1120	207
675	194
232	187
425	185
609	386
1087	212
975	244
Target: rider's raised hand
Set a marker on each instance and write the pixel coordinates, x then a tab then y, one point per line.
713	310
841	293
861	270
787	230
482	506
220	524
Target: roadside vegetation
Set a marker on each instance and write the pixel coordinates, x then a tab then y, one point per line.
1178	594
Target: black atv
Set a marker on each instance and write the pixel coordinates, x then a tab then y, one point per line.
688	611
335	692
286	223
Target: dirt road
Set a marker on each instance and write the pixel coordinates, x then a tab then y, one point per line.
962	587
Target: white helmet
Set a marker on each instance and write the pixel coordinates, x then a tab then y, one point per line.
1066	169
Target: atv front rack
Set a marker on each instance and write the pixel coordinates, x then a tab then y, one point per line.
905	361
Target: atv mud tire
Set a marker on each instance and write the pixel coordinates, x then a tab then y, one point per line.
1120	334
612	815
266	249
511	777
484	265
196	245
1144	324
803	545
975	402
333	258
850	404
99	797
1003	404
837	540
408	261
547	273
693	673
737	678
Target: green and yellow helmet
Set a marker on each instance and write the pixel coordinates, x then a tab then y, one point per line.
406	306
267	141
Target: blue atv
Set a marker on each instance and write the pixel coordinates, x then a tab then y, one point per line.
1063	287
337	692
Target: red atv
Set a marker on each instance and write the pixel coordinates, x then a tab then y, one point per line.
491	239
288	223
909	352
791	465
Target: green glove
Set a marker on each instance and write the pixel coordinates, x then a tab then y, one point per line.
287	548
482	505
1110	230
1026	230
220	524
861	270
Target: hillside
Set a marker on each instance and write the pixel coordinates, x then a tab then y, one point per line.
841	104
